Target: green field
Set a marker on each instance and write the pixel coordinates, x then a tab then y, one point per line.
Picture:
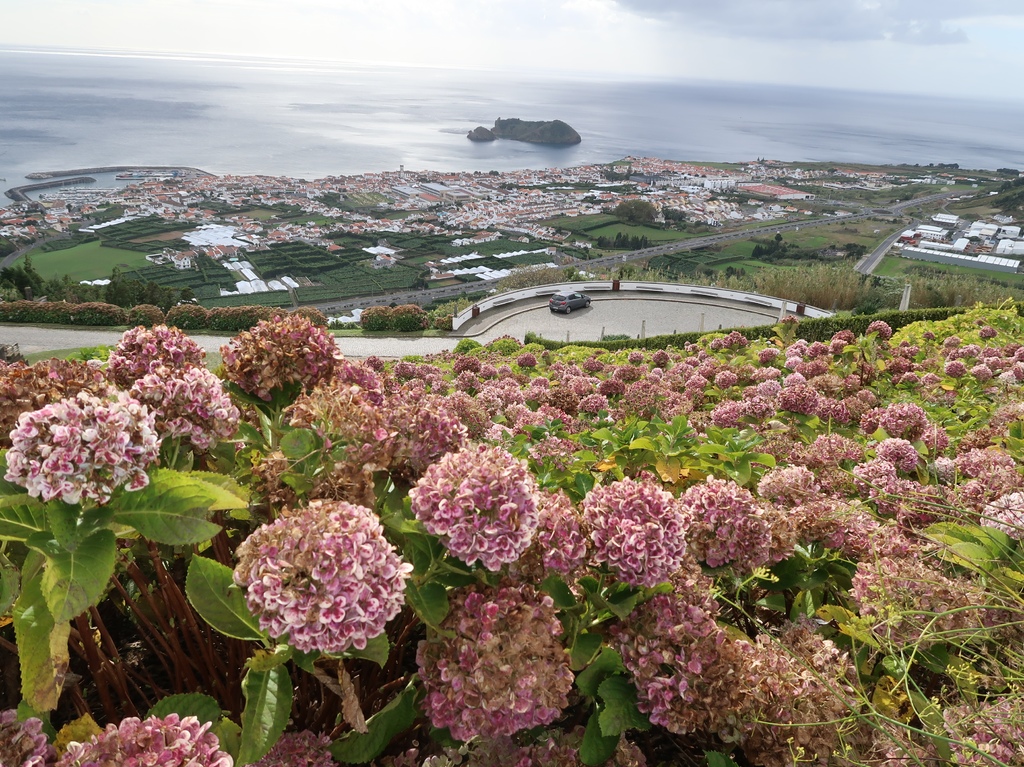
897	266
651	233
91	261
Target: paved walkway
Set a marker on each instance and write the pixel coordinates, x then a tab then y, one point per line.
647	315
605	316
35	339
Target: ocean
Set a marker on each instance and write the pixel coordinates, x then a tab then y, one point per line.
63	110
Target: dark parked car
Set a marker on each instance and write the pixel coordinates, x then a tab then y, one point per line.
566	302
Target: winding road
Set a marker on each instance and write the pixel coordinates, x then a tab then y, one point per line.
680	246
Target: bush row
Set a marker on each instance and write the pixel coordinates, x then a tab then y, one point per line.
817	329
184	316
408	318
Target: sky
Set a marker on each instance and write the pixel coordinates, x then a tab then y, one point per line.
942	47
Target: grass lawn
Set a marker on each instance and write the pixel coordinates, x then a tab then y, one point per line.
897	266
89	261
652	234
578	223
741	249
261	214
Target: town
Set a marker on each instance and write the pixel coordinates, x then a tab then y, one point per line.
276	241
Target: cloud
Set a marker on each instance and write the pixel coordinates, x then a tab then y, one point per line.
903	21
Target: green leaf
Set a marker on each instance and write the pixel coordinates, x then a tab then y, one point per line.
20	516
224	482
10	584
268	706
230	736
377	650
560	592
298	444
584	483
774	602
75	580
589	680
202	707
718	759
766	459
622	602
596	747
396	717
250	435
584	649
972	555
174	508
212	591
42	643
264	660
620	712
643	443
429	600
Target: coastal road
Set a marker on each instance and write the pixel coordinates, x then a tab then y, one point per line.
867	264
431	294
426	296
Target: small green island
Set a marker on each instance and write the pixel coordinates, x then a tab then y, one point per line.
531	131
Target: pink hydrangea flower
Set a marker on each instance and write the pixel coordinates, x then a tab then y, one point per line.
83	448
638	530
904	420
728	527
24	744
994	732
799	398
299	749
1006	514
789	484
883	329
900	453
325	576
154	742
141	349
424	429
689	675
482	502
726	379
955	369
189	404
280	353
560	544
500	669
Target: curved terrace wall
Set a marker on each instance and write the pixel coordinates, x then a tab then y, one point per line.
633	290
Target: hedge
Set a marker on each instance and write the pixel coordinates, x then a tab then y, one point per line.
188	316
146	314
62	313
237	318
817	329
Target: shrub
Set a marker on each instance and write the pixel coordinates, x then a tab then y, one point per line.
30	311
96	313
236	318
466	345
312	314
376	318
409	318
442	322
188	317
145	314
505	346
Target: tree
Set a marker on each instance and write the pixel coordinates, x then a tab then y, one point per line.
636	212
21	276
